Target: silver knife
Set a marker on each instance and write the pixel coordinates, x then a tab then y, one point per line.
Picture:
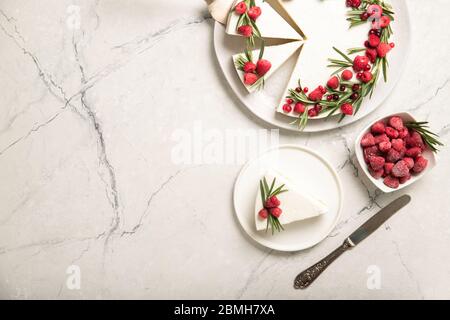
304	279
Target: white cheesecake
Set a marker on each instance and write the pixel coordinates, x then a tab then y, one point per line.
332	30
276	55
270	24
296	203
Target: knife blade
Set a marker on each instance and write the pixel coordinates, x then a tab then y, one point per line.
305	278
378	219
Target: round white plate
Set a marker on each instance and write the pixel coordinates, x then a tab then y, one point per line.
310	171
263	103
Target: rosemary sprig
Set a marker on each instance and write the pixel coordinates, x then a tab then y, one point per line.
266	193
430	138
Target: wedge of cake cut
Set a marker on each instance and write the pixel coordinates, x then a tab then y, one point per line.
220	9
278	6
276	55
270	24
296	203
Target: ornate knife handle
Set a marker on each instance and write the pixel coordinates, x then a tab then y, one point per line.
304	279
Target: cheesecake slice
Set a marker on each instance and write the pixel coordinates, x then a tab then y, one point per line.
270	23
296	203
276	55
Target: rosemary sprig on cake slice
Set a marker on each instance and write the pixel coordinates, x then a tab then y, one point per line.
271	205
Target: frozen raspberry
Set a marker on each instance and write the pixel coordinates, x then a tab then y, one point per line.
347	109
420	164
378	127
249	67
263	66
384	21
415	140
377	174
366	77
374	40
246	31
375	10
391	182
409	162
370	151
347	75
383	49
376	163
367	140
372	54
287	108
413	152
400	169
240	8
263	213
385	146
276	212
381	138
388	167
405	178
316	94
391	133
299	107
402	134
396	123
398	144
393	156
272	202
360	63
254	12
333	83
250	78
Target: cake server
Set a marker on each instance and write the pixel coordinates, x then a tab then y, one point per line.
304	279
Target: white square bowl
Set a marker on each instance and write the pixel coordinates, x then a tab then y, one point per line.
427	154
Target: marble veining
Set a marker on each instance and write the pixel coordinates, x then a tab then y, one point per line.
92	92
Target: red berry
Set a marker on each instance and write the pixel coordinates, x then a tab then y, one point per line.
393	156
384	21
316	94
420	165
298	89
299	107
272	202
254	12
372	54
398	144
376	162
375	10
402	134
378	127
359	75
374	40
405	178
240	8
396	123
289	101
400	169
347	109
364	16
385	146
388	167
413	152
249	67
287	108
383	49
367	140
415	140
381	138
409	162
347	75
305	89
391	182
392	45
335	97
391	133
377	174
366	76
263	66
250	78
356	87
312	113
370	151
322	89
329	97
318	108
354	96
276	212
263	213
246	31
359	63
343	88
333	83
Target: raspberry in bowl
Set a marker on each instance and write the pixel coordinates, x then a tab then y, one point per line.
396	151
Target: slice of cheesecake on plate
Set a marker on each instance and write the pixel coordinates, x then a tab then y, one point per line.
296	203
270	24
277	55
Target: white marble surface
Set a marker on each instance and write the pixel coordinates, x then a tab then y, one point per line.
87	179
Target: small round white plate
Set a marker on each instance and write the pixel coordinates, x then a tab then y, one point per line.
310	171
263	103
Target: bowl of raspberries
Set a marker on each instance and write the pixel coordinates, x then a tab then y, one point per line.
395	151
